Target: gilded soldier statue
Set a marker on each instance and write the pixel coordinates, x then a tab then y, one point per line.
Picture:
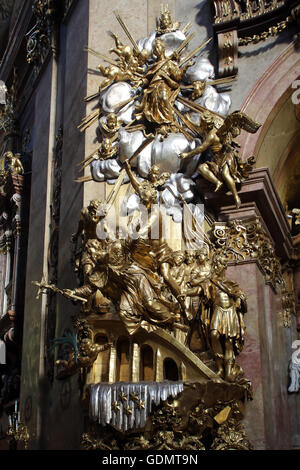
226	327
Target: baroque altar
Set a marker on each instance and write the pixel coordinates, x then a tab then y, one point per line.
160	329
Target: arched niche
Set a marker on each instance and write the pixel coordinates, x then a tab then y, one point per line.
271	102
147	363
170	369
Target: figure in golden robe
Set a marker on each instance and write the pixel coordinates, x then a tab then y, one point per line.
178	268
160	95
141	301
197	281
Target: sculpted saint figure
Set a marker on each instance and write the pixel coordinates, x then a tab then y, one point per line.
197	286
159	97
226	327
140	298
88	221
87	226
94	278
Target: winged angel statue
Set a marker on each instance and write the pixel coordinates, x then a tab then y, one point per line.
159	107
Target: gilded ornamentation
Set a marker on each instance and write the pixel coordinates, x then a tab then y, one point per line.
231	436
151	288
288	301
246	239
13	163
167	429
82	352
250	22
226	10
92	441
155	323
272	31
228	53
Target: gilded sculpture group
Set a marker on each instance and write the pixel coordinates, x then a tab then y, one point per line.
153	286
158	85
143	280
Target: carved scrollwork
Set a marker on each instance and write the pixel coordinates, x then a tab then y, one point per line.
227	10
244	240
39	41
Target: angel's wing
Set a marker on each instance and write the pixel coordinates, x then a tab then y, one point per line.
241	121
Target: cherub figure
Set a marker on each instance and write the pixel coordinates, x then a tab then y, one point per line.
106	150
198	89
129	67
81	350
225	166
110	126
113	73
125	53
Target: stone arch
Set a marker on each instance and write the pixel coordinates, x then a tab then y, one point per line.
171	371
270	103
